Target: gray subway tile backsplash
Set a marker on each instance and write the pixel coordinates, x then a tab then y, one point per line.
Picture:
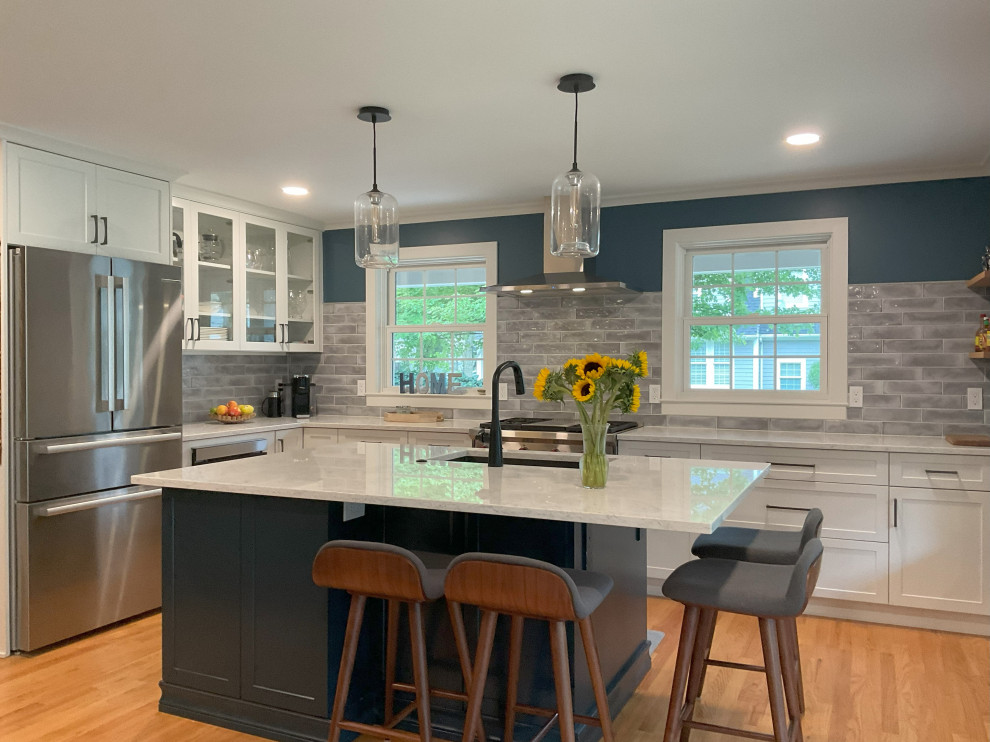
908	349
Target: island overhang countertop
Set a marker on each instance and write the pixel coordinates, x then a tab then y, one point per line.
668	494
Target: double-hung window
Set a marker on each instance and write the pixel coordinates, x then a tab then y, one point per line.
754	320
430	315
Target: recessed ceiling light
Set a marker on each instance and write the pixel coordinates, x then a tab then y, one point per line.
295	191
578	289
803	139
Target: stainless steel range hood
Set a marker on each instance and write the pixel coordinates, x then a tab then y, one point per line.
561	275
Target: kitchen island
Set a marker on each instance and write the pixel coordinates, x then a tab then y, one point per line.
250	643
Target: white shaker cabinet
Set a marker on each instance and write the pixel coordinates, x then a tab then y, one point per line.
251	284
68	204
939	550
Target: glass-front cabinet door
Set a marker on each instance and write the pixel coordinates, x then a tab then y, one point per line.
263	284
303	306
208	239
250	283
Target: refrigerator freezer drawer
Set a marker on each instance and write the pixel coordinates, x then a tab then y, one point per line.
85	562
64	467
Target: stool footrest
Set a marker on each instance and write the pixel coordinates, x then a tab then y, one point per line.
728	730
380	732
549	713
736	665
751	734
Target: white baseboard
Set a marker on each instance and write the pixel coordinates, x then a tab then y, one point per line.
961	623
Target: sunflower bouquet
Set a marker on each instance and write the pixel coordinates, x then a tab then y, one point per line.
598	384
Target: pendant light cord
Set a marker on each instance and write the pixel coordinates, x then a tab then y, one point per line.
575	167
374	152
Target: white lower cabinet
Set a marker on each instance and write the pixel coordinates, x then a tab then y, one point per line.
851	511
939	550
853	570
371	436
666	551
429	438
316	437
288	440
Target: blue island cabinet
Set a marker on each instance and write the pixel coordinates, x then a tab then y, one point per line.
250	643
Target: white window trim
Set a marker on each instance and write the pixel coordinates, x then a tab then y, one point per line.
376	301
830	403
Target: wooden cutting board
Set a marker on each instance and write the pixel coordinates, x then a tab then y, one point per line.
420	416
968	440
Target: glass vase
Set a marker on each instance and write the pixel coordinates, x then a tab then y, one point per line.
594	463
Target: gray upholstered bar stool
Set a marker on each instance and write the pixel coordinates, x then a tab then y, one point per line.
398	576
524	588
773	593
764	546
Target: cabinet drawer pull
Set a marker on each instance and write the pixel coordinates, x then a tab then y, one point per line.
105	229
788	507
895	512
942	471
797	466
96	229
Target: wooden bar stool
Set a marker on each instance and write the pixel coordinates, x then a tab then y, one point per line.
524	588
774	593
763	546
374	570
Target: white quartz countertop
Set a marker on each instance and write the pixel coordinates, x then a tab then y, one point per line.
213	428
669	494
785	439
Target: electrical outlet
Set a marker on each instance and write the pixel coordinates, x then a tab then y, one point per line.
361	388
503	391
654	393
855	396
974	398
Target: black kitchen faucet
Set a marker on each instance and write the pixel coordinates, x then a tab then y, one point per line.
495	444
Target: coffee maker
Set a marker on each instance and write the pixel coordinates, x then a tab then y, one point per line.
300	395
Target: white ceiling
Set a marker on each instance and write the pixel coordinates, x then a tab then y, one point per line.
694	97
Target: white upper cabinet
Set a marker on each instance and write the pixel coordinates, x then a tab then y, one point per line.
68	204
250	283
133	213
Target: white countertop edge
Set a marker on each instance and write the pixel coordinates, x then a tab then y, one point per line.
173	479
775	438
787	439
212	429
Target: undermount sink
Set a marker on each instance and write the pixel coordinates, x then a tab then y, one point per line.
510	460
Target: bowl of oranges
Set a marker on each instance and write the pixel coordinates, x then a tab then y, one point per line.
232	412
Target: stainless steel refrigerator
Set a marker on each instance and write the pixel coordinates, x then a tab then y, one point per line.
96	387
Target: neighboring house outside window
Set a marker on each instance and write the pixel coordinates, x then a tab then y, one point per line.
754	320
430	314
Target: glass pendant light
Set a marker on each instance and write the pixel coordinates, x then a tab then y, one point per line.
376	214
575	197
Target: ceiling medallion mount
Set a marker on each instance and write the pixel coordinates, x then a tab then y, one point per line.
576	82
374	114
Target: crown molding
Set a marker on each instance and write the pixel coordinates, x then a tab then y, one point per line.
414	216
787	186
219	200
37	140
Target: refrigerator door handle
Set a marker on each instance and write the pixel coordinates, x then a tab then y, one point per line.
121	334
105	341
109	443
96	502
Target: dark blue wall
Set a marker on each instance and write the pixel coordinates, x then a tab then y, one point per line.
927	231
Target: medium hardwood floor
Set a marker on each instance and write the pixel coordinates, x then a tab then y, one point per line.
864	682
